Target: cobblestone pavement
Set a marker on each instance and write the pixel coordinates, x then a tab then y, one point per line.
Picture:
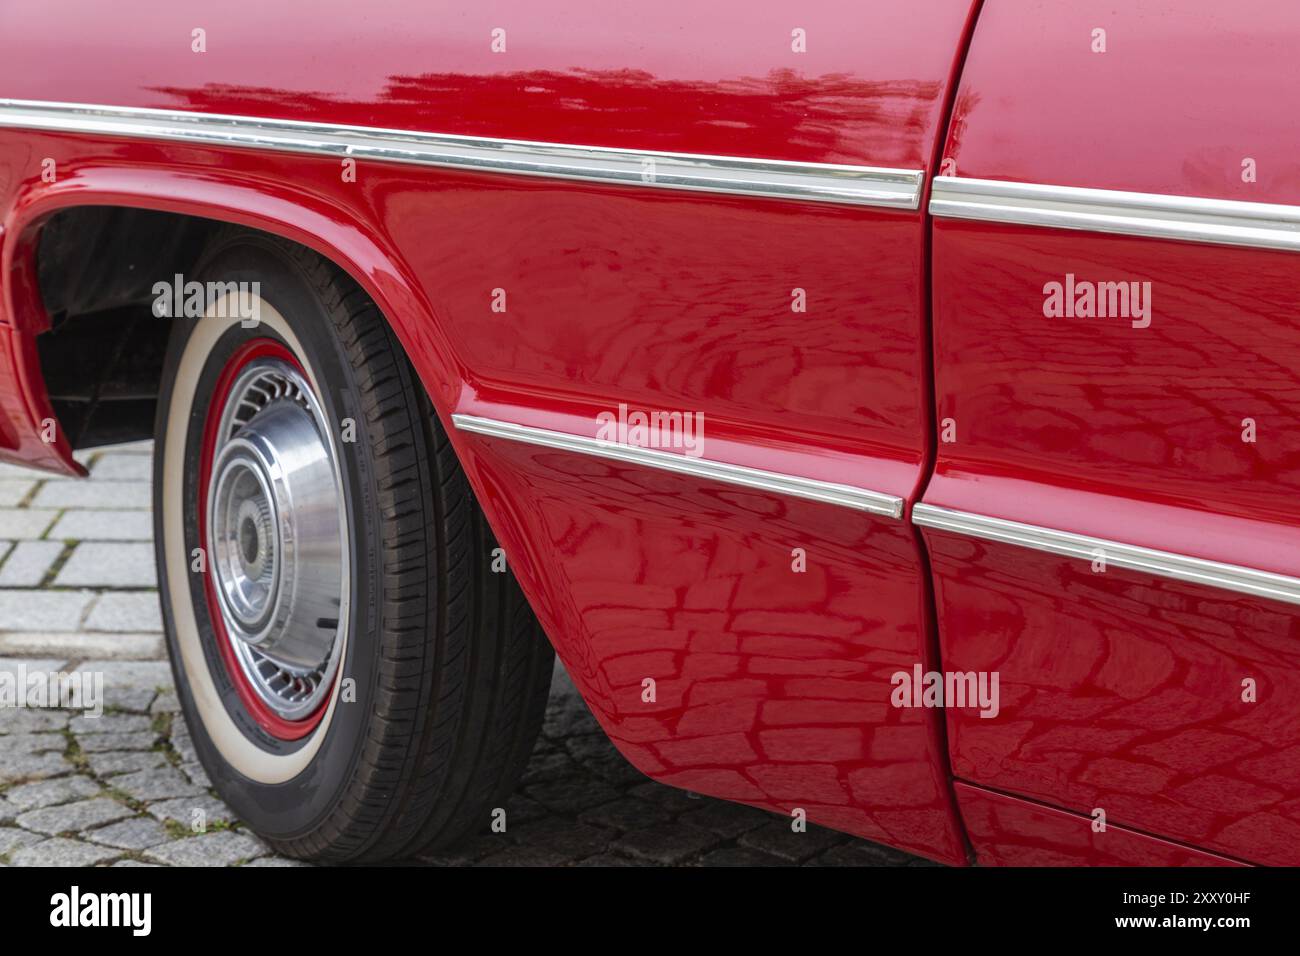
77	593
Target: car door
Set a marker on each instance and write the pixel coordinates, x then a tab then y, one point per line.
1114	522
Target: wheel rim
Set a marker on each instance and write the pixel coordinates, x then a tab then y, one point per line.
273	526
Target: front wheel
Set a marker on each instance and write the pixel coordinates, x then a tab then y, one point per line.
358	682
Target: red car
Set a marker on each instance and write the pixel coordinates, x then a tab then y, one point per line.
887	410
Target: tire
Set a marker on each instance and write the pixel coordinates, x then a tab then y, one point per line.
434	676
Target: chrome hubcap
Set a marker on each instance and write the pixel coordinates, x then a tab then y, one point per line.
277	538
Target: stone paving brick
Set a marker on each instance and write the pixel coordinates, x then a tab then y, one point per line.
741	856
276	861
778	839
142	674
593	747
83	525
68	817
43	610
596	754
667	843
166	703
161	784
726	820
524	856
17	524
49	793
182	743
110	724
110	764
92	494
16	471
568	718
62	852
9	472
563	836
609	859
138	833
105	743
142	447
27	720
852	854
35	743
12	838
121	467
196	775
465	853
183	811
123	647
15	767
672	800
135	611
108	564
28	563
521	809
572	795
136	699
549	766
134	863
131	685
876	854
220	848
11	665
630	813
14	490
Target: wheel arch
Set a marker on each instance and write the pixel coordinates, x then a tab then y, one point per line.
349	243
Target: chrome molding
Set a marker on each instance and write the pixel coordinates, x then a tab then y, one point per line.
1178	567
1258	225
774	179
846	496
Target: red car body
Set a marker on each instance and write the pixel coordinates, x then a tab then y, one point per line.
922	367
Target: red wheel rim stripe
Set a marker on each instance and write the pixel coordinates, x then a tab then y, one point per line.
266	718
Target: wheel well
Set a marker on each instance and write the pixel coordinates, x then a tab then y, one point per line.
102	356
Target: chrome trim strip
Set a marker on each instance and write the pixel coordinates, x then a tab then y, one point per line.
1165	564
1222	221
775	179
827	492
